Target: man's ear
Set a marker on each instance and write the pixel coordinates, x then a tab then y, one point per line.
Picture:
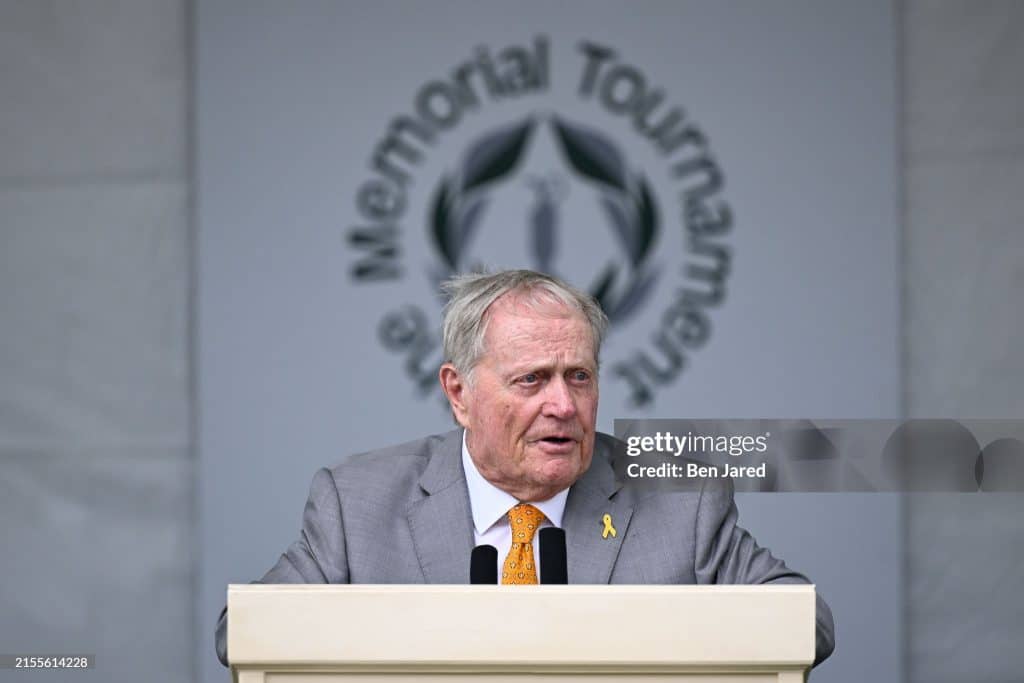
455	388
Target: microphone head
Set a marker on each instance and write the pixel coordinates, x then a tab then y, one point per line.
553	566
483	565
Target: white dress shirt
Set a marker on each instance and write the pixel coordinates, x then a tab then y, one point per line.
490	506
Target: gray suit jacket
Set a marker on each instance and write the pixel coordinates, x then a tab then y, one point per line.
401	515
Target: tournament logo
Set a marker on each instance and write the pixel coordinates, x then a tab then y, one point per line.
461	200
582	181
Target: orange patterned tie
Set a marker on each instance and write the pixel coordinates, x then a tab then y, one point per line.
520	566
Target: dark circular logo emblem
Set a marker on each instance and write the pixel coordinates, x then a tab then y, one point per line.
628	258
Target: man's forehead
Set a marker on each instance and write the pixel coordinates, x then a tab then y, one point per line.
508	310
507	317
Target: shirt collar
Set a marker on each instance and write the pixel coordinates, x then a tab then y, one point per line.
489	504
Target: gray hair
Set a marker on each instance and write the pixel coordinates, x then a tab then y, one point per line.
470	296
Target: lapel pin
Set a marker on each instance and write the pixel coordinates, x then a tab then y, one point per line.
608	528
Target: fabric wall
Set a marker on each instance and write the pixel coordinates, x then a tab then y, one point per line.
963	166
96	458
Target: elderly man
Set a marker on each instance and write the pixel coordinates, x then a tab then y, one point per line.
522	382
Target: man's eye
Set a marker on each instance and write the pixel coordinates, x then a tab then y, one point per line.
580	375
529	378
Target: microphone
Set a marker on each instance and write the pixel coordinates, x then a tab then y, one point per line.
553	567
483	564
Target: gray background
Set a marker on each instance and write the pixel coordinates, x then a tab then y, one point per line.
97	269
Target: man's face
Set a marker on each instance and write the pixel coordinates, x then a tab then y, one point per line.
531	407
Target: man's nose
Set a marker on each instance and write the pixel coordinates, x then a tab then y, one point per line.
559	401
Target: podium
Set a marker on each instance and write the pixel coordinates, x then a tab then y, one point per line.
511	634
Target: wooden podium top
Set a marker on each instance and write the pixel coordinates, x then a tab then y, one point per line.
522	628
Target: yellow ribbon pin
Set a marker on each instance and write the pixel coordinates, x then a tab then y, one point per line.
608	528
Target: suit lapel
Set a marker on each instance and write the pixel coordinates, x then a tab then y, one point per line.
591	555
441	523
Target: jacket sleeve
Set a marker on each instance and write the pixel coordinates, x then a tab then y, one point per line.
728	554
317	557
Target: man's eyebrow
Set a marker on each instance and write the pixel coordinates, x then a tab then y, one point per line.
521	367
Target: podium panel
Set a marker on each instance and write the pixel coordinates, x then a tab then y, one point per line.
428	634
609	677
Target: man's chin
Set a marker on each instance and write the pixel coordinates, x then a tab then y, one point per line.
561	470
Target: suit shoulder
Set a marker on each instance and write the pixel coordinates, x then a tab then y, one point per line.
608	447
395	463
639	478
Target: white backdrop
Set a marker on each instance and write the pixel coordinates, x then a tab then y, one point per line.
791	103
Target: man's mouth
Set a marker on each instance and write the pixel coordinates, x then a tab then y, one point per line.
556	445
